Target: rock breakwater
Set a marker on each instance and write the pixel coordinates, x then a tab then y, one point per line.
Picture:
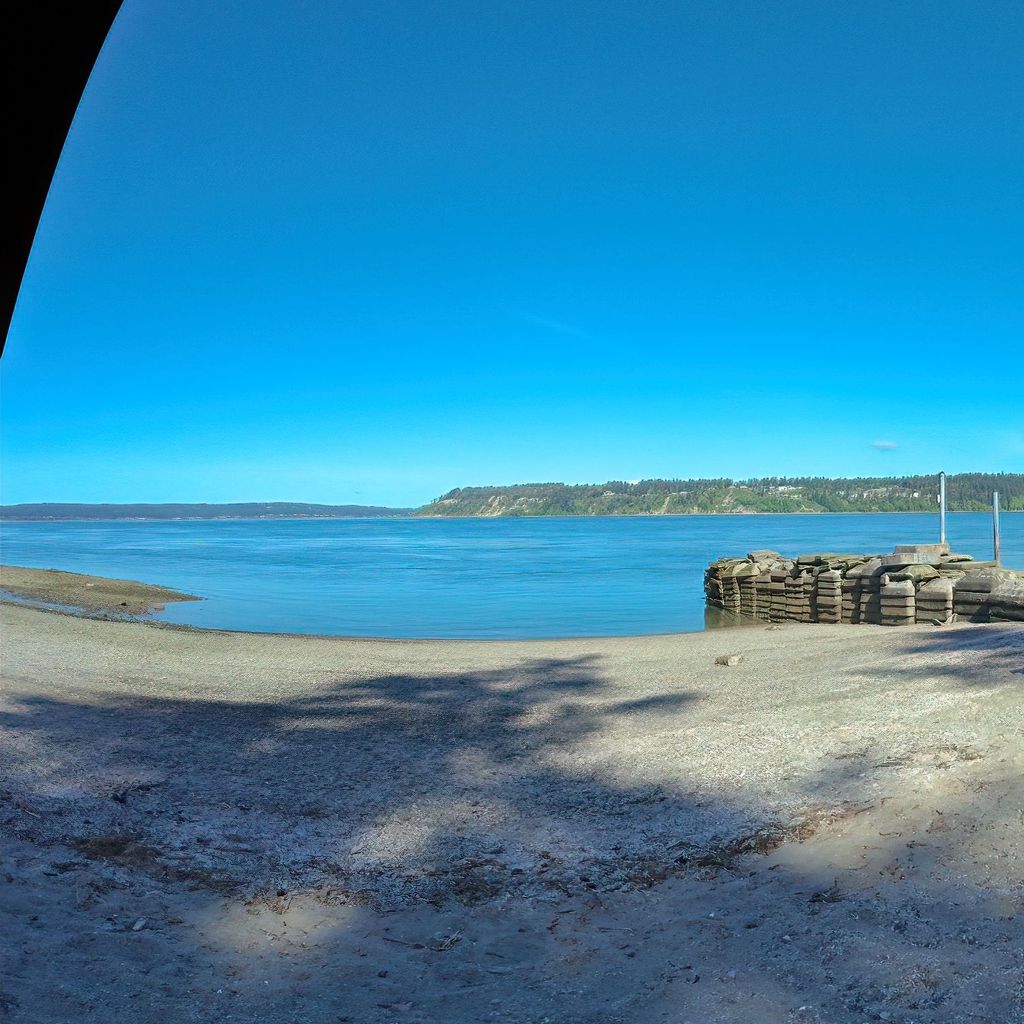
916	583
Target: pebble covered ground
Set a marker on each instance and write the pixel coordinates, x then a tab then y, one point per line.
211	826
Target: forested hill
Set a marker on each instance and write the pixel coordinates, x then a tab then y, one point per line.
236	510
965	492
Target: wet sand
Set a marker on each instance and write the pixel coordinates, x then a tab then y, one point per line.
221	826
91	594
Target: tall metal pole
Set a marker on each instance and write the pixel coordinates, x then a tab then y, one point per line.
942	508
995	526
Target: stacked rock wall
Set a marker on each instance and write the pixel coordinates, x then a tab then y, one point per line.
828	596
917	583
898	606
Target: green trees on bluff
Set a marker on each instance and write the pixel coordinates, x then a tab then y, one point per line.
965	492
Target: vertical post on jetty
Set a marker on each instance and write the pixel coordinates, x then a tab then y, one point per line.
995	526
942	508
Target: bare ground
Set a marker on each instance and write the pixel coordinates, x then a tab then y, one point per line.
227	827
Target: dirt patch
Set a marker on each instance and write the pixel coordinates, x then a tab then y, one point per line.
123	850
129	852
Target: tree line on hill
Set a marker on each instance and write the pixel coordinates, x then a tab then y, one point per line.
965	492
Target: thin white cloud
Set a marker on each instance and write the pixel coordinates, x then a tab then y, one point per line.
556	325
885	446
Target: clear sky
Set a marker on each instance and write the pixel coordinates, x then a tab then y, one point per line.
367	252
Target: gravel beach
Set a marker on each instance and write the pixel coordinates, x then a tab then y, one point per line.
204	826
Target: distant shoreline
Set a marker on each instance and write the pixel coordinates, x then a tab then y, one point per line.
200	519
612	499
365	519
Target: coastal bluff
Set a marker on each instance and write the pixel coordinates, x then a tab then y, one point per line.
916	583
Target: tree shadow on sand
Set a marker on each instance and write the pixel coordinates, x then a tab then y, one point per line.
951	659
979	655
444	828
391	786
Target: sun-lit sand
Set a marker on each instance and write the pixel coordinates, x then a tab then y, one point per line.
225	826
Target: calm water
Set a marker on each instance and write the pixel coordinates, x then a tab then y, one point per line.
461	578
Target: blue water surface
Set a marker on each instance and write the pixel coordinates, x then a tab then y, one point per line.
482	578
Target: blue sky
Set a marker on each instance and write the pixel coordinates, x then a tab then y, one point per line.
372	251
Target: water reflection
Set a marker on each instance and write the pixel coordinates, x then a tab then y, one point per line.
719	618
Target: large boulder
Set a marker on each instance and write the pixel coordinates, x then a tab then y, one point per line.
990	593
764	556
984	580
871	569
915	573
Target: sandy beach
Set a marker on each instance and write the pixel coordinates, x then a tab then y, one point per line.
204	826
